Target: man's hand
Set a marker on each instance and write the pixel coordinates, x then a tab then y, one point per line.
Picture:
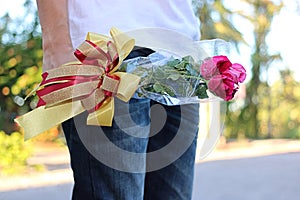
56	56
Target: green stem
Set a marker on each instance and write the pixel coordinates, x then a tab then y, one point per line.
185	74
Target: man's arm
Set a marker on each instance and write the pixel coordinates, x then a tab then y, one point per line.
57	45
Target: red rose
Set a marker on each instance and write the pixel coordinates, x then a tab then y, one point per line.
213	66
208	68
222	86
223	76
238	72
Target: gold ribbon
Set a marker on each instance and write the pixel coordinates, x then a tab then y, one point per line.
66	103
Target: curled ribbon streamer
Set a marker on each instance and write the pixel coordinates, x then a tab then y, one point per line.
90	84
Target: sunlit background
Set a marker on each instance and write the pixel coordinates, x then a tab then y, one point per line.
283	37
265	109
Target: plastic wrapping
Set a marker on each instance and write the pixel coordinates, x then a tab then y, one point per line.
174	78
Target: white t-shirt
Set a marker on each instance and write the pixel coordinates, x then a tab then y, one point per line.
100	15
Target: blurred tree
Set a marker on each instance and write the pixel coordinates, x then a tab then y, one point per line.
286	113
20	64
261	17
284	95
216	22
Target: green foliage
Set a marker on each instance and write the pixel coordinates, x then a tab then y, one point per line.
176	78
14	153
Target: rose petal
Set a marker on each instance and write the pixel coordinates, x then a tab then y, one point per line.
208	68
239	71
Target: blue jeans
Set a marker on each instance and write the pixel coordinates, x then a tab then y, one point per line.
148	153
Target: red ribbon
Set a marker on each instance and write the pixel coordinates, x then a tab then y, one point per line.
54	84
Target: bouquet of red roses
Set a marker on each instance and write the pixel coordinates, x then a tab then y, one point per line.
173	80
222	77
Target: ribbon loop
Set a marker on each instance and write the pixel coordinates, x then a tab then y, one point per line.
89	53
89	85
93	101
110	85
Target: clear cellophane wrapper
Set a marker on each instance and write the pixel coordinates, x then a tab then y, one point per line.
171	75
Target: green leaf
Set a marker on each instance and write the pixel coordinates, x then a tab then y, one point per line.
173	62
174	77
201	91
160	73
180	66
163	89
191	70
158	87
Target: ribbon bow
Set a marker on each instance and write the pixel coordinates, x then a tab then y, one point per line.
90	84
